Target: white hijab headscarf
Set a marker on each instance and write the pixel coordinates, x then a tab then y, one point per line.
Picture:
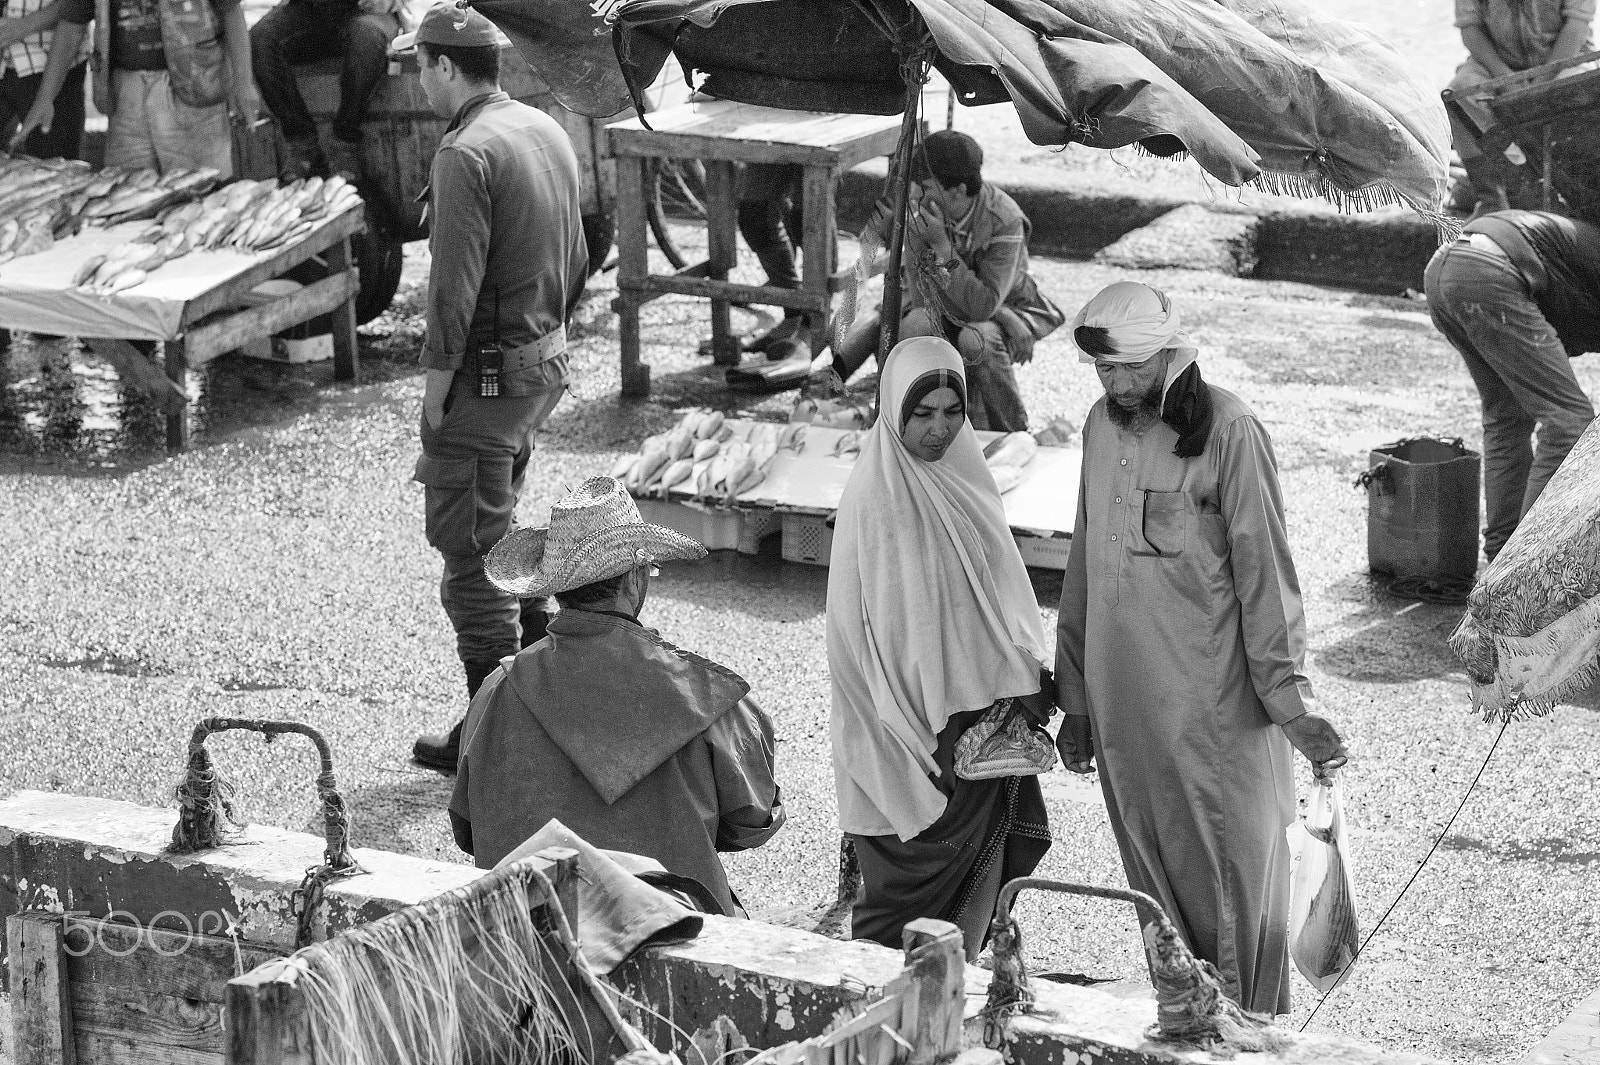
930	611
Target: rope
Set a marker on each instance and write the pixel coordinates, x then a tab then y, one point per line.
1418	872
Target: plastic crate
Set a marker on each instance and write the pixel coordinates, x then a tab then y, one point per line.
1045	552
718	530
757	526
807	538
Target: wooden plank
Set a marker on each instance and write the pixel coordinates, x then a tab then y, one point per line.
346	356
139	372
727	121
267	1023
231	293
708	149
156	961
816	190
162	1020
722	236
93	1048
633	266
933	989
206	342
41	1017
177	366
661	284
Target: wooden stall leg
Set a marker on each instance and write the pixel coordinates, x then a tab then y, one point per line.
818	243
633	265
346	359
722	233
41	1008
177	363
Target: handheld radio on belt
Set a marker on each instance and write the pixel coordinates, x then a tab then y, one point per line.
491	360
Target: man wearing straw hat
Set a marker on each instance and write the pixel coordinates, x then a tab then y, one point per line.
632	743
1180	656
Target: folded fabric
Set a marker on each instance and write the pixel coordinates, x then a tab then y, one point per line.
618	912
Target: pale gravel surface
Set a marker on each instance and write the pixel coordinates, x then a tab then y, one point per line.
280	571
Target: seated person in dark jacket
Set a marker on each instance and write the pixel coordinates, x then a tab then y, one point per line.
357	33
1518	295
630	742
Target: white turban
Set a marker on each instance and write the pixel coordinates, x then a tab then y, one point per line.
1139	321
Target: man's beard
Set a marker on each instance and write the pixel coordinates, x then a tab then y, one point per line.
1148	410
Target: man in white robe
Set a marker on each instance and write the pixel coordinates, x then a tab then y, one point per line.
1181	644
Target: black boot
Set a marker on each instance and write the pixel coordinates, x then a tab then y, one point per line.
442	751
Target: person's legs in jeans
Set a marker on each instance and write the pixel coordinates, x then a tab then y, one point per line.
366	62
290	34
1480	303
993	399
187	137
767	195
129	142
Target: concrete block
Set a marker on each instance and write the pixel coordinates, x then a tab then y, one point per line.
104	858
1188	238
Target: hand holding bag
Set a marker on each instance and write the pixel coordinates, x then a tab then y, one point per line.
1003	743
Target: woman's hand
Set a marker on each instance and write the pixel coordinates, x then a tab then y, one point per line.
1037	706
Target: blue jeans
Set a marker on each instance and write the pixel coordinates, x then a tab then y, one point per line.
1480	301
298	31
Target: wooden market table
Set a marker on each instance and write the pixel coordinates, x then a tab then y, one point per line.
721	134
192	304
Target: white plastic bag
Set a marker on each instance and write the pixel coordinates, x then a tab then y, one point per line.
1323	932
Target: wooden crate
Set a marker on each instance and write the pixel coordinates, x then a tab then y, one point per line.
102	992
1549	112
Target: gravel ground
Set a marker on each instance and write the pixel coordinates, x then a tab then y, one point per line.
278	570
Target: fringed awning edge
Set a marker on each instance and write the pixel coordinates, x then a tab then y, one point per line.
1370	197
1557	662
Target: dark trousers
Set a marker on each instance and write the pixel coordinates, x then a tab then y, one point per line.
65	138
302	31
770	218
1534	410
473	464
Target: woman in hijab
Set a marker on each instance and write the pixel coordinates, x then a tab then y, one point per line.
931	621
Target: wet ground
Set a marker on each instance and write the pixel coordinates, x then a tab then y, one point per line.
278	569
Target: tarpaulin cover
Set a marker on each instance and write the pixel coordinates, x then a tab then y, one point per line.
1068	81
570	48
1326	107
1331	108
1531	637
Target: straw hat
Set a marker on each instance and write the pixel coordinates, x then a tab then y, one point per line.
594	533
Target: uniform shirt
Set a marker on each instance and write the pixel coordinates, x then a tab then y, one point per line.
29	55
1523	31
136	41
506	233
1560	259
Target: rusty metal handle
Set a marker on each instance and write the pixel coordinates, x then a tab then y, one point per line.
1188	991
205	798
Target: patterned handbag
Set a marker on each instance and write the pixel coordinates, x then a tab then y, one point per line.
1003	743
